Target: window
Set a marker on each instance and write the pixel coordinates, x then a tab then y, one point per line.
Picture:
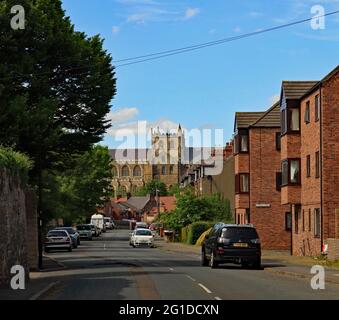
308	166
163	169
278	181
317	107
278	141
307	112
288	221
171	169
317	164
248	216
290	170
242	183
283	121
303	220
294	119
297	210
241	142
125	171
309	221
317	223
137	171
114	171
294	171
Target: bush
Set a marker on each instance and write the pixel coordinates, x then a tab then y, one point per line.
196	229
183	234
16	162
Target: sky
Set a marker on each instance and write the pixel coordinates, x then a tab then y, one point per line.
203	89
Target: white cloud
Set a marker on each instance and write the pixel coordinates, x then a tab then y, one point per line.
212	31
237	29
274	99
255	14
116	29
122	115
191	12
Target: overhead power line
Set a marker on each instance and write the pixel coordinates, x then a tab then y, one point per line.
167	53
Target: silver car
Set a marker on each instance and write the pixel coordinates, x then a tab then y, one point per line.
58	240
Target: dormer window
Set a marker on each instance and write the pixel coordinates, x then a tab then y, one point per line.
241	142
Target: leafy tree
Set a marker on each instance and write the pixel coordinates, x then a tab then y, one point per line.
78	192
174	190
151	187
191	208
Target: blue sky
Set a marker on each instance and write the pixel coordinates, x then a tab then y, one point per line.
203	89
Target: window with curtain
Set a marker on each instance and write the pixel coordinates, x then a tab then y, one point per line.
125	171
294	119
294	171
137	171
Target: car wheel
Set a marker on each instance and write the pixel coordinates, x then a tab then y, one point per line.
70	249
78	242
46	250
213	263
204	260
257	264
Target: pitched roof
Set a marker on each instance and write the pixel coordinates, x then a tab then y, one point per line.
296	89
245	119
137	203
270	118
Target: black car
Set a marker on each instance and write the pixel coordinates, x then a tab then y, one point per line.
232	243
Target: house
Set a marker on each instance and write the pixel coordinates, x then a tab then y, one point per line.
257	171
310	161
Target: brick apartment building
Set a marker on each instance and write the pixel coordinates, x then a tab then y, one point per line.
310	160
257	167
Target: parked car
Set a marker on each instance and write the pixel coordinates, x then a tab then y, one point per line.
142	237
109	223
58	239
141	225
232	243
95	230
85	231
74	235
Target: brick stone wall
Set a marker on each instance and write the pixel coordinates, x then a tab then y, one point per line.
13	249
32	230
265	162
333	249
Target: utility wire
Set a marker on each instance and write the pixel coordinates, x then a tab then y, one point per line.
163	54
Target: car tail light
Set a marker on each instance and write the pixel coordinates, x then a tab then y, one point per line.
224	240
255	241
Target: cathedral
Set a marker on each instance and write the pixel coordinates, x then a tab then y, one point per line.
133	168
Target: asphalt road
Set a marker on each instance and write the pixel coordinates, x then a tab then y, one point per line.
109	269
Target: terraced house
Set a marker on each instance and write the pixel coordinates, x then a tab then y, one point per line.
257	177
310	161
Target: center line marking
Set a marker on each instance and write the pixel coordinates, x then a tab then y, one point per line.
206	289
217	298
171	269
189	277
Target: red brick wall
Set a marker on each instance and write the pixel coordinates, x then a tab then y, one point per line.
330	156
265	162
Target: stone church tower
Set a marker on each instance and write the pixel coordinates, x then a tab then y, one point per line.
167	150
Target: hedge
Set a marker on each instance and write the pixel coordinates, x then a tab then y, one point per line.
196	229
16	162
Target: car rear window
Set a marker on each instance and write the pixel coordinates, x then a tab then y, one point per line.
239	232
69	230
57	234
143	233
83	227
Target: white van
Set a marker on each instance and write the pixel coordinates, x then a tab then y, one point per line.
98	221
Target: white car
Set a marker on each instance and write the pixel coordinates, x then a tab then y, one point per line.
142	238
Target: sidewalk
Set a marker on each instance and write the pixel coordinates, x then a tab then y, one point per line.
274	261
36	286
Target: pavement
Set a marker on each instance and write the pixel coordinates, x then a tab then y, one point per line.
107	268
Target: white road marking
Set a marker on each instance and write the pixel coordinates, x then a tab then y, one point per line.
171	269
189	277
206	289
217	298
43	291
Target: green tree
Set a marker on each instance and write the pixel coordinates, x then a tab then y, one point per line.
151	187
80	190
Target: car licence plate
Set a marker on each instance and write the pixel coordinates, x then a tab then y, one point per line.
240	245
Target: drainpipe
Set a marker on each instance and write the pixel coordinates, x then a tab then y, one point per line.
321	172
